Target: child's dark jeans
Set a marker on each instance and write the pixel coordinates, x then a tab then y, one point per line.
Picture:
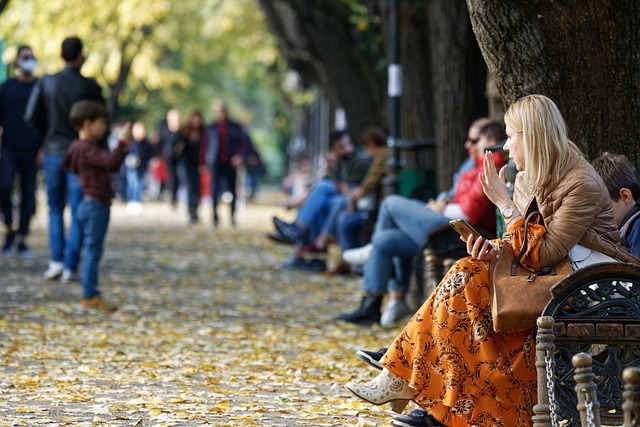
94	218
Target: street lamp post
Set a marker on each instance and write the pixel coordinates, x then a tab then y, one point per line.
394	91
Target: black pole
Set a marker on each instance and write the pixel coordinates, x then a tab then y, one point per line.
394	92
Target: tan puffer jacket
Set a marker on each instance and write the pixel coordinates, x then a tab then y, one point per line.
576	210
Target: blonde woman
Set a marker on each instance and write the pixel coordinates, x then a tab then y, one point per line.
448	359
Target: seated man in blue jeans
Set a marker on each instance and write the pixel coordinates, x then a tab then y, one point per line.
345	168
403	227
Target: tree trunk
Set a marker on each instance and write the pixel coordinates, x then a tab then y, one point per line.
416	104
316	38
458	82
3	5
585	55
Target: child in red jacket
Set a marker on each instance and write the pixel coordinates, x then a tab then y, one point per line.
93	166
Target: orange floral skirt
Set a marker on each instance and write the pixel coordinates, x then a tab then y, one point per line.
465	374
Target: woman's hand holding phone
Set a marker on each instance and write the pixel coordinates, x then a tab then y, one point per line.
478	246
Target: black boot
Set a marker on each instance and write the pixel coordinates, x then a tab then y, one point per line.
367	313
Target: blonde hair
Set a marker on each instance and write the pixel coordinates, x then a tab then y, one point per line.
547	147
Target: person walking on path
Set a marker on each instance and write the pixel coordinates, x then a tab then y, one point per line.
169	137
48	111
136	164
192	137
94	166
223	153
18	152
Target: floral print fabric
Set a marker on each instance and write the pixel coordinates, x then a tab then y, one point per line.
464	373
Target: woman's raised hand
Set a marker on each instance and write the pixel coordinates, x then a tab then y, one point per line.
493	183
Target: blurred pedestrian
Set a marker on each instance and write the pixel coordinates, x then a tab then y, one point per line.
222	155
169	137
254	168
158	172
192	138
136	164
48	111
93	165
18	152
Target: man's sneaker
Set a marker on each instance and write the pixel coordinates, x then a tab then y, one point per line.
69	276
8	243
97	303
54	271
23	251
395	310
291	232
417	418
372	357
357	256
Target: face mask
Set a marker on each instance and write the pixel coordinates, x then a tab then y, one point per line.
27	65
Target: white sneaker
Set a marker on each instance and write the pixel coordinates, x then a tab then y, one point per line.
395	310
54	271
357	256
134	208
68	276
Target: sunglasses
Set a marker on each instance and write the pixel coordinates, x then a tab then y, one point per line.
473	141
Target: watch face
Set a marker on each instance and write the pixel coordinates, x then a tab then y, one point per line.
508	212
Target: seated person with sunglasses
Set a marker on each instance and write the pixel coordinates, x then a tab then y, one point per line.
403	226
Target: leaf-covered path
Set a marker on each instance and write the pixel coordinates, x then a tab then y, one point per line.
208	332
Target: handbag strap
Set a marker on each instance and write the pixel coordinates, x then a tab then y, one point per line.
523	249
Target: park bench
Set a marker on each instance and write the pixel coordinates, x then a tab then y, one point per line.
593	311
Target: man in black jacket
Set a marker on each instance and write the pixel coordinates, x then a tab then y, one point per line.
48	111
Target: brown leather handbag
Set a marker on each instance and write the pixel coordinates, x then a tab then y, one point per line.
519	295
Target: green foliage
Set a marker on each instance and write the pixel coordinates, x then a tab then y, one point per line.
181	54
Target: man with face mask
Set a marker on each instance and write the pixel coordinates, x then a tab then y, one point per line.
48	111
18	153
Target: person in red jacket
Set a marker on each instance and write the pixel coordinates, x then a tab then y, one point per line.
403	227
94	165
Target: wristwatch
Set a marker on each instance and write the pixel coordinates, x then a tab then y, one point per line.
508	211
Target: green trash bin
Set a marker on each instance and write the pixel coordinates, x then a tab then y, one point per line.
418	177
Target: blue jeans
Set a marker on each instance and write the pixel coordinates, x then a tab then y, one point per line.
337	205
349	225
23	164
135	185
319	201
61	183
402	228
94	217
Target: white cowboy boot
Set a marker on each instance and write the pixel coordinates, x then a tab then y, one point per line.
385	388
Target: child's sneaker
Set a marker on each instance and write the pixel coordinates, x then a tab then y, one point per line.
69	276
97	303
54	271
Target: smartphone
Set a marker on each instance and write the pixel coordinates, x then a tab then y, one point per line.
464	228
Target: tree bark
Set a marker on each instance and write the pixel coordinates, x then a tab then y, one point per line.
458	82
316	38
416	104
585	55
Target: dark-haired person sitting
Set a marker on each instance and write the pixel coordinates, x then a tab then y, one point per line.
345	168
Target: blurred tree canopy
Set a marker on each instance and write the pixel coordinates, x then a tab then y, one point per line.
151	55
